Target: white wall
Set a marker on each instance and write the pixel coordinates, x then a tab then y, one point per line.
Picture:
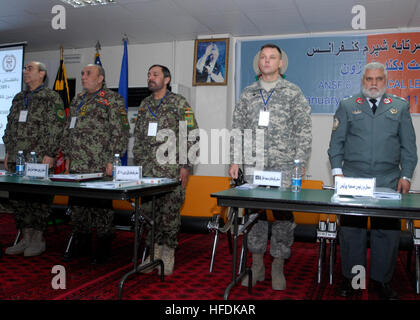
212	105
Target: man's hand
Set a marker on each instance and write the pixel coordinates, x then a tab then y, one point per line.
6	166
109	169
183	177
233	170
403	185
48	160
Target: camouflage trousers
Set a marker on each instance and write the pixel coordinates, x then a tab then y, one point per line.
282	235
31	211
167	217
101	217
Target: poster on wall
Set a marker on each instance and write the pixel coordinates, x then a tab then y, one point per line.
329	68
210	63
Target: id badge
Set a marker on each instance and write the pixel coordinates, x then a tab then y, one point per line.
264	118
152	129
23	115
72	122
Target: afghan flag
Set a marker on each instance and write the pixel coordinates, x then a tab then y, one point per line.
62	87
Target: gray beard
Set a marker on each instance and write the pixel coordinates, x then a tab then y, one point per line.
370	95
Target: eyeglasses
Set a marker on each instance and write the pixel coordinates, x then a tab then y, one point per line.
28	68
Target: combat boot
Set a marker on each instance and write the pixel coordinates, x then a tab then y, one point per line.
37	245
157	255
278	280
257	268
81	246
168	258
24	243
103	249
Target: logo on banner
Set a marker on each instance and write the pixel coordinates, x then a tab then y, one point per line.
9	63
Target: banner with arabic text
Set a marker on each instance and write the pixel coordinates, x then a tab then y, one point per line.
329	68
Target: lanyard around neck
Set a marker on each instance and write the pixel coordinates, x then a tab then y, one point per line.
27	99
83	99
160	102
266	101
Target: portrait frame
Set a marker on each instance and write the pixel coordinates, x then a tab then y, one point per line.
210	63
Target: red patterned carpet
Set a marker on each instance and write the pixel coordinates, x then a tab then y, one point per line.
31	278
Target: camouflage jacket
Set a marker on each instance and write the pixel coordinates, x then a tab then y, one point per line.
101	130
43	128
152	152
288	135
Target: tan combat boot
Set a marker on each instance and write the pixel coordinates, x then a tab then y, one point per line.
20	247
157	255
37	245
278	281
257	268
168	258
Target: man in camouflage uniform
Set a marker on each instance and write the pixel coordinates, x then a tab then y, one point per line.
97	128
35	123
160	114
373	136
283	134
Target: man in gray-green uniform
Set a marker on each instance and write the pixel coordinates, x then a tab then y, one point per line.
97	128
162	115
278	114
373	137
35	123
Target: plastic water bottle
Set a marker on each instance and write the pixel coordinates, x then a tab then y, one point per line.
20	164
33	157
297	176
117	162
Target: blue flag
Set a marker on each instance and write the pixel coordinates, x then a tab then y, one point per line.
123	88
97	59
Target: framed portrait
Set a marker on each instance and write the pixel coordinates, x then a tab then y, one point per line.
210	65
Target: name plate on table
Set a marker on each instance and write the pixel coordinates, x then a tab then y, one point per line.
128	173
267	178
362	187
36	170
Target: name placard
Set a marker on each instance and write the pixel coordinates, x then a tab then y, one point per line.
267	178
363	187
128	173
36	170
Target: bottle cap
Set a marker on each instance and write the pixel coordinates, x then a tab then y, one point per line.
117	155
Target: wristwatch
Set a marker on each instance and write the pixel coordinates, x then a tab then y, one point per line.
405	178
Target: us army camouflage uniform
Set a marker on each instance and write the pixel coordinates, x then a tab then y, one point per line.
287	137
101	130
173	110
41	133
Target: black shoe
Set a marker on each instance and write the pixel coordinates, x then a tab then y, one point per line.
346	289
103	250
81	246
384	290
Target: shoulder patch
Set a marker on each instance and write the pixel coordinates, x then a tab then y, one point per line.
60	113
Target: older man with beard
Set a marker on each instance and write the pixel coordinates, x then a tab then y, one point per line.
373	137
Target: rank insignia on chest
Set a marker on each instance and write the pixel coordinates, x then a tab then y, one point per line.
387	100
356	111
393	110
336	123
360	100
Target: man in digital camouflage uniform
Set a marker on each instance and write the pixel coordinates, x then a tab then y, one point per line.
373	137
161	114
278	109
97	128
35	123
